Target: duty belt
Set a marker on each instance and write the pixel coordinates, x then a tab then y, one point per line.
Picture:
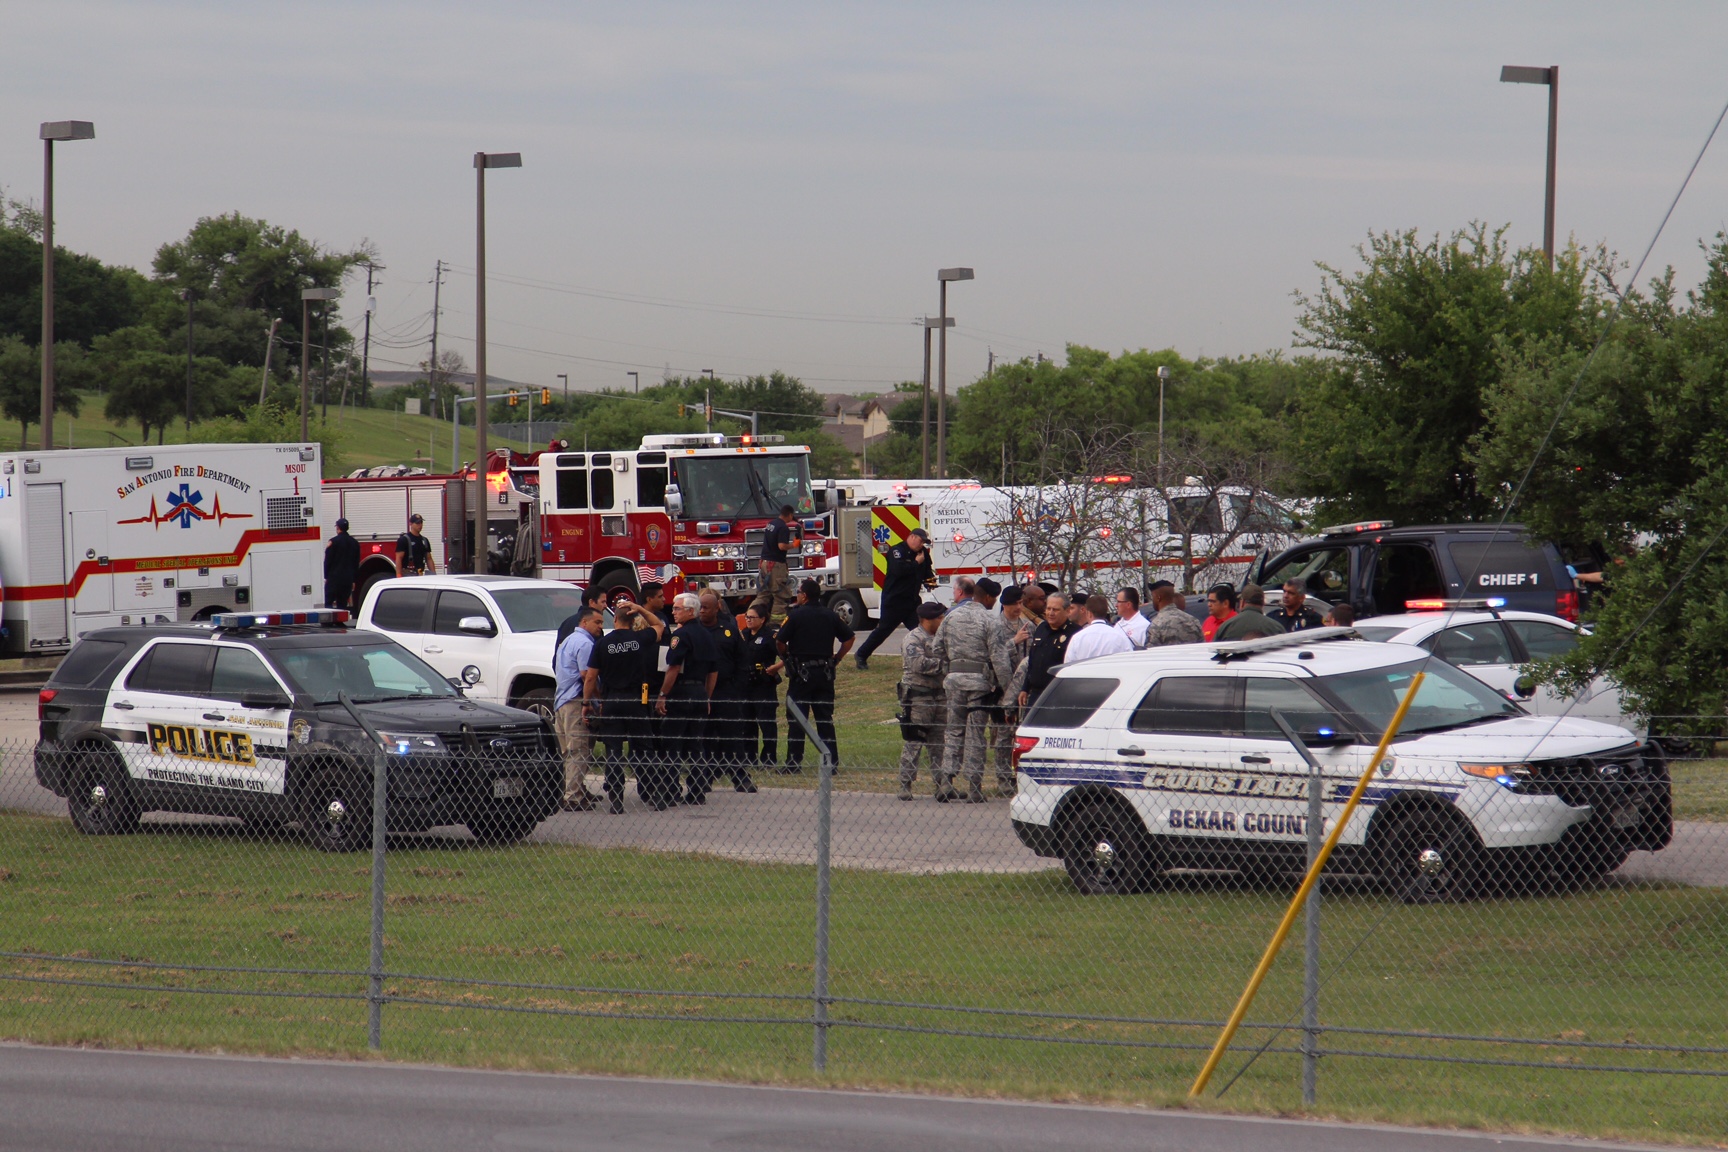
972	667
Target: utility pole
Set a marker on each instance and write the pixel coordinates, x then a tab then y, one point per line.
366	346
323	365
432	364
269	346
186	295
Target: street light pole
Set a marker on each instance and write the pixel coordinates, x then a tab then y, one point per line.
1519	74
307	296
1163	376
565	376
943	277
482	161
51	131
637	377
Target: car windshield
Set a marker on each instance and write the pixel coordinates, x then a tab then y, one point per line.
537	609
368	673
1448	698
721	487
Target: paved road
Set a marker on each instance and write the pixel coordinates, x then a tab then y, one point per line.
65	1100
871	830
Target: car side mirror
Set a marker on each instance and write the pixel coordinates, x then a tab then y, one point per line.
456	683
674	502
478	625
268	700
1524	687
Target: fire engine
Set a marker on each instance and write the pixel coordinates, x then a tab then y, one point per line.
96	537
689	507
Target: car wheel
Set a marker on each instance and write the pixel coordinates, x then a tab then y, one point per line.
99	795
1425	856
849	606
336	812
1105	852
502	828
539	702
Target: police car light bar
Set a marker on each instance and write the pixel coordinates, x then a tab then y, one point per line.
1359	526
322	616
747	441
1476	605
1242	649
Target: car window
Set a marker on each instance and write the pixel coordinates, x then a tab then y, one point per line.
239	671
401	609
87	661
538	609
453	607
1070	701
367	674
1301	709
1471	644
1382	635
1405	572
572	488
651	487
601	481
1544	641
1190	706
1501	566
177	669
1324	572
1448	697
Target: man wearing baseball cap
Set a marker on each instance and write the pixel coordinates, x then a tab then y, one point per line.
414	551
909	572
341	567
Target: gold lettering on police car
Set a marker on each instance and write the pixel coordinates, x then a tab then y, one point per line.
207	744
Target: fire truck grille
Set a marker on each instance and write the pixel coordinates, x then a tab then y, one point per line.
284	513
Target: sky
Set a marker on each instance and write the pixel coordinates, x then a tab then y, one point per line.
751	187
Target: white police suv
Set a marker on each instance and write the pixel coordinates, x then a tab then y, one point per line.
1135	764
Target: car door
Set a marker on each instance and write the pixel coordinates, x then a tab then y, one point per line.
249	702
451	650
1540	640
154	714
1484	650
1274	776
402	612
1184	735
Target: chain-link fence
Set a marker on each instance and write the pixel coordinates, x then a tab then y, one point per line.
703	908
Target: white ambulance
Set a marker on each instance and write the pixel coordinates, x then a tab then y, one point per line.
97	537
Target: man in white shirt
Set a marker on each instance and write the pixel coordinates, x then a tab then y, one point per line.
1128	619
1096	637
570	710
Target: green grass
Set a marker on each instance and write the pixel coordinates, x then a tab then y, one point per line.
1700	789
1615	964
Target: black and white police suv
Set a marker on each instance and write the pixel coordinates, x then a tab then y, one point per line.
243	716
1134	764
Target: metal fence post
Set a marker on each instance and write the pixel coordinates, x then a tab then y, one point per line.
1311	919
824	827
375	994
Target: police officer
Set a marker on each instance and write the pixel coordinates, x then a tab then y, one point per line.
922	702
909	573
807	641
1046	651
725	743
414	551
616	687
977	645
761	737
774	589
692	668
341	567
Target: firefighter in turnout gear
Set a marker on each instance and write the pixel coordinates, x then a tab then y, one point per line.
980	666
923	705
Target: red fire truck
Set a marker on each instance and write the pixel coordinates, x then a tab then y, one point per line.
690	506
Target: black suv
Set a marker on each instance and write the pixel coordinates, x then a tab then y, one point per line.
1379	569
249	722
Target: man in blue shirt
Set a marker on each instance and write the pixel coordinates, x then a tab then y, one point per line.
569	664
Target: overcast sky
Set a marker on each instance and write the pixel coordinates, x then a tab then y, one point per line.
751	187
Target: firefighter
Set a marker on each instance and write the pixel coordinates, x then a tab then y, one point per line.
692	668
414	551
341	567
779	541
922	704
762	658
909	573
725	743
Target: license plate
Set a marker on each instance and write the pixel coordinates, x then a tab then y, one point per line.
507	788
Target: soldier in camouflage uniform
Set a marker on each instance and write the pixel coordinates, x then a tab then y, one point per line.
1170	624
977	645
1006	717
921	698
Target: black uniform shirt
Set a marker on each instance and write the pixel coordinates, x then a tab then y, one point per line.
625	660
1049	647
906	574
811	630
1298	622
758	650
341	559
693	652
729	647
777	533
415	551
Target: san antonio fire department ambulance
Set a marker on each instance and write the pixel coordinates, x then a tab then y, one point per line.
96	537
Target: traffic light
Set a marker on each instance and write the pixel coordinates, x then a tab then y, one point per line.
681	411
512	399
545	396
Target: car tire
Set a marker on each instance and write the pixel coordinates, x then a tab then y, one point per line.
849	606
99	795
336	812
503	828
538	701
1105	851
1400	860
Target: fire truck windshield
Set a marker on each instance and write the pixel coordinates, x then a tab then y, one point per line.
721	487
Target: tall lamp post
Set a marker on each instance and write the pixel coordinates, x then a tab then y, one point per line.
928	323
565	376
637	377
1518	74
186	295
51	131
482	161
1163	378
307	296
944	276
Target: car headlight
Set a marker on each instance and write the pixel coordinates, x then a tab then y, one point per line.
1505	775
409	743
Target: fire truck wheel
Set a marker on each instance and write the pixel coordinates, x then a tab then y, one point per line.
537	701
618	586
849	606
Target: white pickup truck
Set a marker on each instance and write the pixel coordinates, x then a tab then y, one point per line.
492	634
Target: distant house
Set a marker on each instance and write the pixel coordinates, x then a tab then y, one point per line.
860	423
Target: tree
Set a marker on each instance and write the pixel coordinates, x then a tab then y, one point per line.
21	382
1418	337
90	297
276	421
